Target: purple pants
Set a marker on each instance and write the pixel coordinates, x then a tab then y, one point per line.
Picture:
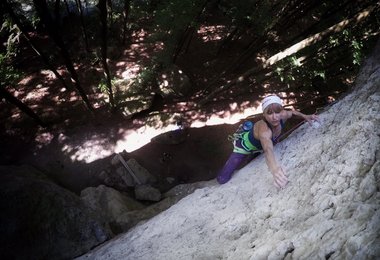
234	162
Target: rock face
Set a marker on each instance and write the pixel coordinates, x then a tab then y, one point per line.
330	208
40	220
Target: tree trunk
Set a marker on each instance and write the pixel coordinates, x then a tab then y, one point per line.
187	35
103	17
318	37
23	107
109	14
292	50
289	15
127	4
330	13
227	41
53	32
16	20
83	25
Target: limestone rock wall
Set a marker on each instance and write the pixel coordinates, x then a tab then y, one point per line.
329	210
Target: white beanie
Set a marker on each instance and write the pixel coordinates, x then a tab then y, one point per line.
272	99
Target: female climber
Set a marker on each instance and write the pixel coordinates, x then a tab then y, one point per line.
253	138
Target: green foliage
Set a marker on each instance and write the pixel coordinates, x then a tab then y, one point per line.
146	76
258	15
343	52
12	33
8	74
171	19
146	80
102	86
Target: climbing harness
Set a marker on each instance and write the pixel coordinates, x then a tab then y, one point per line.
240	139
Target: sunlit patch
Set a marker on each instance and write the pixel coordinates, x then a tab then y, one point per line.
58	99
135	139
97	104
330	99
140	35
165	83
232	116
73	98
26	80
67	148
121	63
48	74
131	72
16	115
39	94
212	33
233	106
44	138
288	99
91	150
260	58
349	80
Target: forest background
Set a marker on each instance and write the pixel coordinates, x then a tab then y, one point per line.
65	64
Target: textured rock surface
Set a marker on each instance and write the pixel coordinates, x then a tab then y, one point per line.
110	202
329	210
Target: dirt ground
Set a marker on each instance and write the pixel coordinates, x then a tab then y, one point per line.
197	154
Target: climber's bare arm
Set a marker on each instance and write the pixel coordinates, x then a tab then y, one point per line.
286	114
265	136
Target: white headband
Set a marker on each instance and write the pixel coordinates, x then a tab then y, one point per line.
273	99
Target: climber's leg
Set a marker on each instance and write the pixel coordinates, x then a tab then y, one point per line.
230	166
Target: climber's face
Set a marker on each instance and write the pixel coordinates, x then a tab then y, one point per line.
272	114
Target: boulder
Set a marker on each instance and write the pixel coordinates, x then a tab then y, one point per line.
142	174
121	179
147	192
41	220
110	203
